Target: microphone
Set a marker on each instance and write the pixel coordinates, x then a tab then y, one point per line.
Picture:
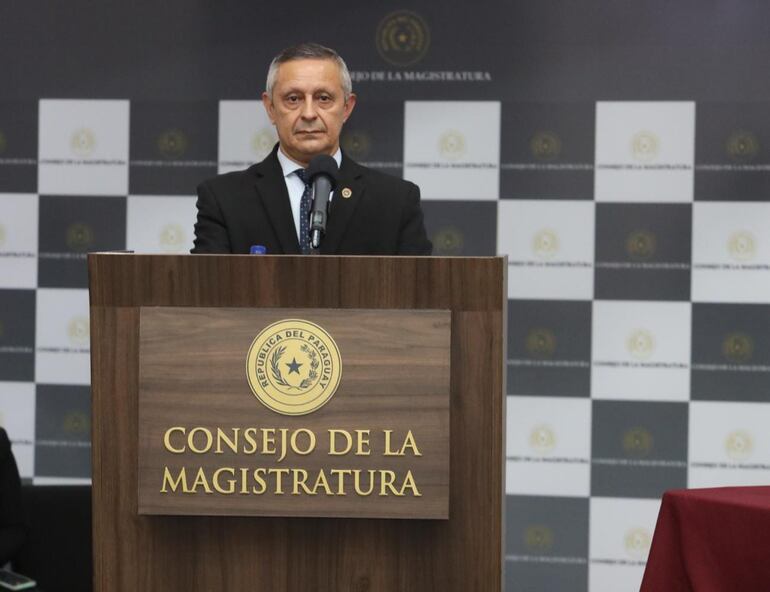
323	174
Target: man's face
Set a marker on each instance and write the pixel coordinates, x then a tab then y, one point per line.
308	108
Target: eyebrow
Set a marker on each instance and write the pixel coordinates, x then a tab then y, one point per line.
290	91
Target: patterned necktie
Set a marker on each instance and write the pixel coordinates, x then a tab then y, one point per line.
304	214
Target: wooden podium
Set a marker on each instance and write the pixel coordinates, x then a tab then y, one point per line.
422	342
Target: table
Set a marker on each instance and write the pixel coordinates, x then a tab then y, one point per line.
711	540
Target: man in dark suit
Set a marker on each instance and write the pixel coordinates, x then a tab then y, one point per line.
308	98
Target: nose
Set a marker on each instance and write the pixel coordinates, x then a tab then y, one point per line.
309	109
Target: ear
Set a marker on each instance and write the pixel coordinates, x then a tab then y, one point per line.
267	101
349	105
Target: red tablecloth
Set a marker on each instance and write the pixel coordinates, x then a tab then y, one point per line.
711	540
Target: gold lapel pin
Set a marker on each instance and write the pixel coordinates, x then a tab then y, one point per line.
347	192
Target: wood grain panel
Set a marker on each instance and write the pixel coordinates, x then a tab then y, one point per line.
395	377
289	281
244	554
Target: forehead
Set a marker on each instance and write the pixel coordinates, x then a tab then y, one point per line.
309	74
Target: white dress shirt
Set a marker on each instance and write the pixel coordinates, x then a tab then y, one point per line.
294	184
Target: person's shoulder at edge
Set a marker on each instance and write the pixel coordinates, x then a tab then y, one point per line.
5	443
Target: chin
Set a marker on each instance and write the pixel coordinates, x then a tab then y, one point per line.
313	148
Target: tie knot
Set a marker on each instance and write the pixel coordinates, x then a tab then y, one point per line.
302	174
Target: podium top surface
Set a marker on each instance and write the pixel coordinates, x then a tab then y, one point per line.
349	281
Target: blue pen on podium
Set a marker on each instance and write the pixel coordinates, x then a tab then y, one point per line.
257	250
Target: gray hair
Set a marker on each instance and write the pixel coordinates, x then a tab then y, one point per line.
308	51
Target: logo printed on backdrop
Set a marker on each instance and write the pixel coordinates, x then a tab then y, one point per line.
545	145
542	439
541	343
80	236
403	38
645	146
538	537
742	146
294	367
640	344
172	143
637	543
76	423
452	148
262	142
545	243
83	142
641	245
451	145
742	246
739	445
448	241
172	238
738	347
357	144
637	441
78	330
656	140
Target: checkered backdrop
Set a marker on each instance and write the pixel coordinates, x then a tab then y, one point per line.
636	232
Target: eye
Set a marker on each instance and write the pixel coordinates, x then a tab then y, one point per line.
292	99
324	98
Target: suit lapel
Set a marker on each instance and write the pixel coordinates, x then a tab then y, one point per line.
271	189
342	207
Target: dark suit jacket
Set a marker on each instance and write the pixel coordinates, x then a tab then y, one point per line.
381	217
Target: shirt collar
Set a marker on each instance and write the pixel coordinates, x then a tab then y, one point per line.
288	166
